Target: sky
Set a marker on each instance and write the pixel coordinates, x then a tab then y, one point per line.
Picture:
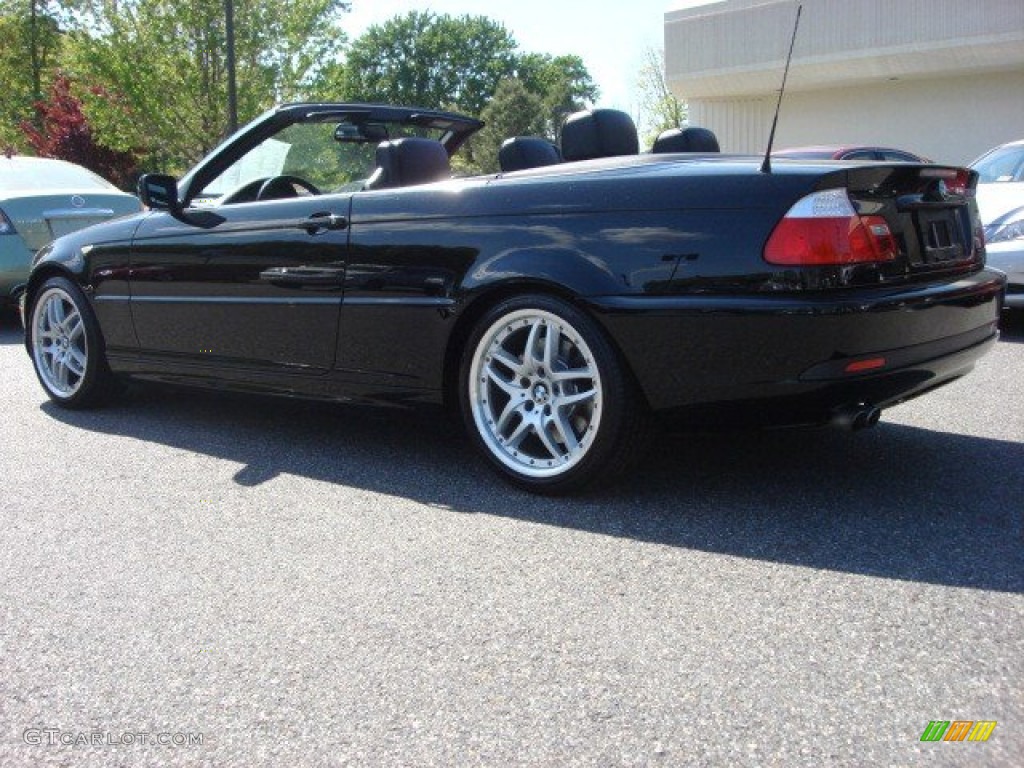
610	37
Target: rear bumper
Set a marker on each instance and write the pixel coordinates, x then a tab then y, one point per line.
804	356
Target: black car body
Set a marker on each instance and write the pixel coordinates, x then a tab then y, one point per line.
560	305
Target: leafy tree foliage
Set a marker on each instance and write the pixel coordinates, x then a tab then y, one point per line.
660	109
29	44
152	81
469	64
513	111
422	59
166	57
563	84
64	133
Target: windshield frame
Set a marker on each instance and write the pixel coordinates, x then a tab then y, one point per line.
454	129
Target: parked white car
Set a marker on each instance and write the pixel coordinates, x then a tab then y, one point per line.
1001	204
42	199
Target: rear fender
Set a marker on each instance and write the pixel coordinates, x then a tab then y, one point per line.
567	270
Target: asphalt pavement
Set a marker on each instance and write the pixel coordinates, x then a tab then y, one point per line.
193	579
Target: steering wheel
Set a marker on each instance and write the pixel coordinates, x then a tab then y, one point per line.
284	186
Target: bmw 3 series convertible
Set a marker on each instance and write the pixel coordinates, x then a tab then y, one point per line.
561	306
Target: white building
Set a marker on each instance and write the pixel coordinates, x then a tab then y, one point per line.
942	78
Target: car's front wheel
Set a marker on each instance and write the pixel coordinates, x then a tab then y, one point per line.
67	349
546	397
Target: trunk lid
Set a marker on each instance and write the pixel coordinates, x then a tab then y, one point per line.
39	219
932	213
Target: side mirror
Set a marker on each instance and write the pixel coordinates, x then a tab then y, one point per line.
160	192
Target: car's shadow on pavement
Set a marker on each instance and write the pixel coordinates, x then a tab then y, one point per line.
896	501
10	327
1011	326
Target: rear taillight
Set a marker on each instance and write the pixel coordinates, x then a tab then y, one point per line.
824	228
6	227
955	181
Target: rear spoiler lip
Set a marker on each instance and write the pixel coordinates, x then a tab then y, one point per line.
946	184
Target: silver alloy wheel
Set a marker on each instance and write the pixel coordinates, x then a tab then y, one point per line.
59	345
535	392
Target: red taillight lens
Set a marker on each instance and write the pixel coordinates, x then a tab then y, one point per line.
960	183
876	236
823	228
957	181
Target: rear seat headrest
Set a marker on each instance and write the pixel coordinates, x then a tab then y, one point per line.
692	139
521	152
598	133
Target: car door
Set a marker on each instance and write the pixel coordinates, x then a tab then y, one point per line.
253	284
248	271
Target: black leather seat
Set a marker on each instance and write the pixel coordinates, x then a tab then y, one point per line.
409	161
598	133
521	152
692	139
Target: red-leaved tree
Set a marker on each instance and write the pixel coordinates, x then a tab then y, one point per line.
64	133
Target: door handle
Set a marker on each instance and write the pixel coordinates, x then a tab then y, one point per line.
322	222
304	276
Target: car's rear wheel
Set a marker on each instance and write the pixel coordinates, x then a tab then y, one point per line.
67	349
547	399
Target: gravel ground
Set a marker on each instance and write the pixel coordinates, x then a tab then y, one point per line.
297	584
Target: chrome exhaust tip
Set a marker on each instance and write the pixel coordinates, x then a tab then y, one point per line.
856	416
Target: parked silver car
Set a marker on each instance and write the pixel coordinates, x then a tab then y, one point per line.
41	199
1001	204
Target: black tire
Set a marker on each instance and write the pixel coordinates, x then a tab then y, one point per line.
546	398
67	347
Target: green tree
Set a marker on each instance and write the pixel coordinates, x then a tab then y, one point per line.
425	60
513	111
563	84
30	41
166	59
659	108
469	64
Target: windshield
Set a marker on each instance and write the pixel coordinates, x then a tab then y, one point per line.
328	155
1001	165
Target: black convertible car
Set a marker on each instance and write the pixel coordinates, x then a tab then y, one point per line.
326	251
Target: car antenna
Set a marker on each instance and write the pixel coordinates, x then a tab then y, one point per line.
766	166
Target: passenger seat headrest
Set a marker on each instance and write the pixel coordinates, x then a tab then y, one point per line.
692	139
409	161
598	133
521	152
